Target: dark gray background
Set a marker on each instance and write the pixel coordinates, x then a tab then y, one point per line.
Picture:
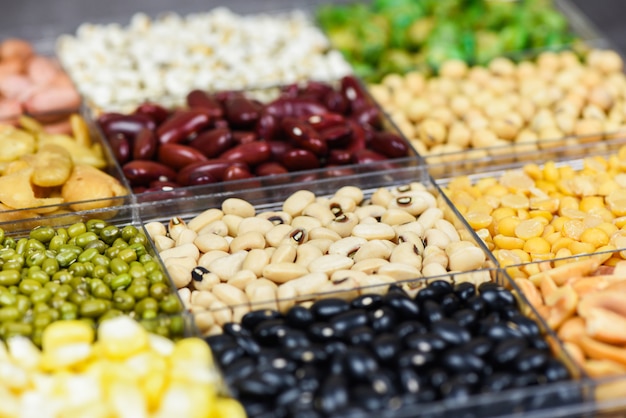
43	20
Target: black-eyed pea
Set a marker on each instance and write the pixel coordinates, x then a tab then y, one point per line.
180	269
433	254
370	211
344	288
448	228
203	279
297	236
467	259
375	283
342	274
368	220
254	224
400	271
162	243
230	295
295	204
381	197
350	192
371	231
227	267
369	266
306	253
207	258
248	241
222	314
429	217
459	134
263	297
205	218
589	129
255	261
396	217
407	253
373	249
343	224
232	222
483	138
432	132
186	250
340	204
308	222
286	297
184	294
308	284
202	298
276	217
381	93
419	146
204	321
412	237
155	229
437	238
275	236
460	246
186	236
218	227
239	207
323	233
322	243
284	272
330	263
318	211
285	253
242	278
175	226
414	202
210	242
433	270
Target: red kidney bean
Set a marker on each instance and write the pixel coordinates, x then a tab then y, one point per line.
129	125
326	120
105	118
366	156
296	107
154	111
353	92
300	159
336	102
213	142
214	169
278	149
389	144
339	171
241	112
252	154
339	157
220	123
304	135
359	137
337	136
270	168
120	147
244	137
316	90
290	91
162	185
223	95
202	100
141	172
236	173
178	156
145	145
368	115
182	124
267	126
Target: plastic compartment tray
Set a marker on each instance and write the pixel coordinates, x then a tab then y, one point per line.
571	398
122	217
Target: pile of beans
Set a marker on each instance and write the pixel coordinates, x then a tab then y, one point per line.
233	257
382	352
541	213
117	68
231	136
34	84
504	107
125	373
91	271
583	301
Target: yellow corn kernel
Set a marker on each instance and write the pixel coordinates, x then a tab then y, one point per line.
501	213
121	337
562	242
529	228
545	214
506	226
228	408
478	220
573	229
550	172
536	245
588	203
595	236
581	248
62	333
507	242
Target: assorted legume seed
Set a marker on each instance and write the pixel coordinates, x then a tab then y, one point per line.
503	107
117	68
231	136
381	352
89	271
233	256
127	372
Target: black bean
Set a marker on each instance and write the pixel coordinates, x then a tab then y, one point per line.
383	381
359	362
437	377
249	345
235	330
239	369
288	396
526	379
324	309
415	359
497	382
556	371
451	332
254	385
229	354
425	294
321	332
351	411
308	378
333	347
409	327
477	304
507	351
383	319
257	407
253	318
501	331
539	343
294	338
465	318
495	296
531	360
386	347
299	317
367	397
332	395
525	325
465	290
458	361
479	346
336	364
402	304
219	342
310	354
441	287
345	321
360	336
426	343
456	389
268	355
431	312
450	304
281	363
270	332
410	380
368	301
